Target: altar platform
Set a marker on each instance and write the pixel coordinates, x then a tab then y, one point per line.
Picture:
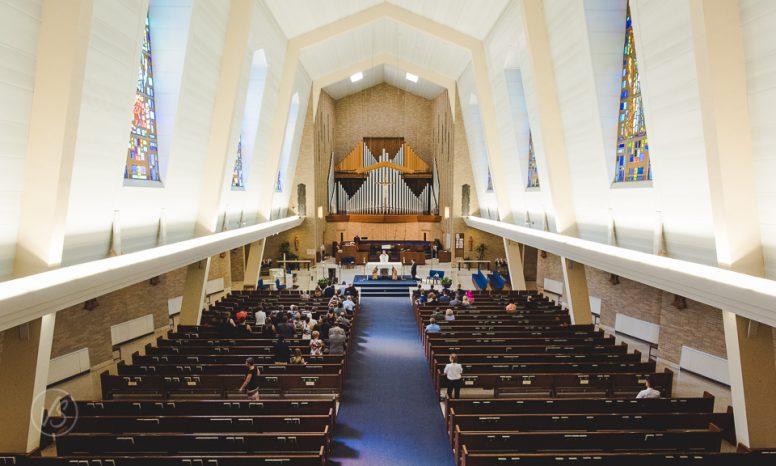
404	280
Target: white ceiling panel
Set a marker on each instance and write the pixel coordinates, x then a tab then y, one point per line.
384	36
296	17
388	74
472	17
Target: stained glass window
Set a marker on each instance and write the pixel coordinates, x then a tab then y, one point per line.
632	162
142	154
279	183
237	174
490	182
533	173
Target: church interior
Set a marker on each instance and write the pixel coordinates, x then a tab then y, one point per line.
387	232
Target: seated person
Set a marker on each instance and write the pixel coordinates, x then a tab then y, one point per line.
648	392
432	326
348	304
449	315
465	302
421	300
445	298
297	357
438	314
511	307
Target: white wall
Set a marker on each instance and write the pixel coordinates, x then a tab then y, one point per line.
19	25
475	137
758	18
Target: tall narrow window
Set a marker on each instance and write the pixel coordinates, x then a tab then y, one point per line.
279	183
142	154
533	173
490	182
632	162
237	174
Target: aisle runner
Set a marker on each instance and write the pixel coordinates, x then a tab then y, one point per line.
389	413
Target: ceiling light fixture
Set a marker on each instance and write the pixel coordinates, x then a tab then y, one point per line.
356	77
411	77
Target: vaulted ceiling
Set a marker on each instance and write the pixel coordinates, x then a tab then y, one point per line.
360	42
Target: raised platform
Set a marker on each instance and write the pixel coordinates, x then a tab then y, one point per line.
379	218
385	287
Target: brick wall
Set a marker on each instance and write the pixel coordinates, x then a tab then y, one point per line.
699	326
237	262
78	328
383	110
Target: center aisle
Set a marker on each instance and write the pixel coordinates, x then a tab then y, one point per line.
389	413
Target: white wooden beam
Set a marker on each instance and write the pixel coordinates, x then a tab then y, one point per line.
745	295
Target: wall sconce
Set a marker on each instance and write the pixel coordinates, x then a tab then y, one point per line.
614	279
447	212
680	302
320	211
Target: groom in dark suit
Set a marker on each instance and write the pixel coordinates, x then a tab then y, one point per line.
414	269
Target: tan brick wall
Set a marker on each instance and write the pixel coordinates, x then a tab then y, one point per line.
78	328
383	110
237	262
699	326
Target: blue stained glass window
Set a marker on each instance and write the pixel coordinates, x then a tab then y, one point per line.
632	160
533	172
142	153
237	174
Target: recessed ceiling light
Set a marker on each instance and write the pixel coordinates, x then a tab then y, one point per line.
411	77
356	77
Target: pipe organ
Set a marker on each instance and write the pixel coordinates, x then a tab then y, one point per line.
383	176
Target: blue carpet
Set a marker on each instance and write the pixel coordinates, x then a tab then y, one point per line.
389	413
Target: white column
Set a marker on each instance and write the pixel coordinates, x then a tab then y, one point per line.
224	129
549	140
59	74
721	71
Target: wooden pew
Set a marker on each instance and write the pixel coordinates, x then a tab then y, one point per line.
294	459
132	444
762	458
685	440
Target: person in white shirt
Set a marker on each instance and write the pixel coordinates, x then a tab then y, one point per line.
453	372
648	392
384	257
261	317
348	304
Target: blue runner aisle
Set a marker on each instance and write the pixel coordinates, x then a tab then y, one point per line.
389	414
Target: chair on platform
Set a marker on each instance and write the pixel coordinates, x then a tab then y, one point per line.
435	275
278	286
262	286
479	280
496	281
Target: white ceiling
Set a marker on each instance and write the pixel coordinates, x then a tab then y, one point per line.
385	73
472	17
384	36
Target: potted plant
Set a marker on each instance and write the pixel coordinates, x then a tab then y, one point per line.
323	282
482	249
446	282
